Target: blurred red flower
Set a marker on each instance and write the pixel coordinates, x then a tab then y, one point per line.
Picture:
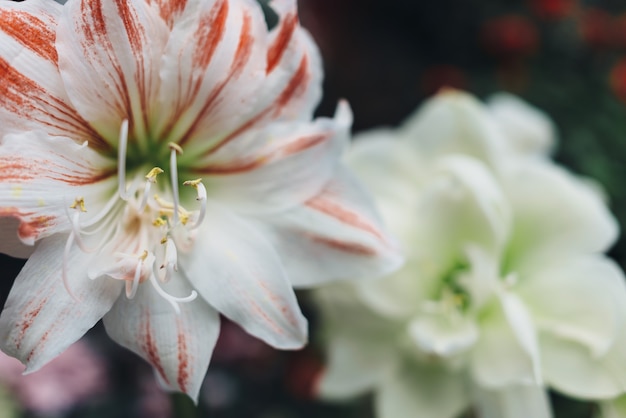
510	37
597	28
617	79
302	374
552	9
437	77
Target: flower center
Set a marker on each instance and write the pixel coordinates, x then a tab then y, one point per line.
151	229
453	297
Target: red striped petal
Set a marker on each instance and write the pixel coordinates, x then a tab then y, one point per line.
31	93
109	56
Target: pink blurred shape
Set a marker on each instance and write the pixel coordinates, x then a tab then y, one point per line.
73	378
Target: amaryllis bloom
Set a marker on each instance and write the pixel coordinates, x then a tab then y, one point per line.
160	162
614	408
505	291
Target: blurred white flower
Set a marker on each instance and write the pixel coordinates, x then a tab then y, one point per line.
505	291
614	408
100	97
528	130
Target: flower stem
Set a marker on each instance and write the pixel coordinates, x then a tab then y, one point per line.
183	406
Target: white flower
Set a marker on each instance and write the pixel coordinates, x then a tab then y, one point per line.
104	106
528	130
504	292
614	408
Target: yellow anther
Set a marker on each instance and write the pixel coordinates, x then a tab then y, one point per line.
163	240
184	218
159	222
193	183
144	255
152	174
79	203
175	147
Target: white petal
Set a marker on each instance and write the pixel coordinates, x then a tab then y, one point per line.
393	173
459	209
513	401
109	53
461	205
582	299
354	367
401	294
237	271
530	132
40	318
178	346
614	408
334	235
424	392
279	167
474	190
570	368
523	326
442	336
555	215
361	345
454	122
293	87
42	176
499	357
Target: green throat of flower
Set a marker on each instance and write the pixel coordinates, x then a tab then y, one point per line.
452	291
144	226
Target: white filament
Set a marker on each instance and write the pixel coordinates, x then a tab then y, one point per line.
144	198
173	300
170	260
131	291
174	177
75	222
202	199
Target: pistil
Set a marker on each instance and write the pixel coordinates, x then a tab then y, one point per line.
175	149
121	161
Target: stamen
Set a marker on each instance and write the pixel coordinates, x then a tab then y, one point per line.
158	222
152	174
121	160
131	288
176	149
77	236
197	184
173	300
79	206
163	204
79	203
170	262
150	179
